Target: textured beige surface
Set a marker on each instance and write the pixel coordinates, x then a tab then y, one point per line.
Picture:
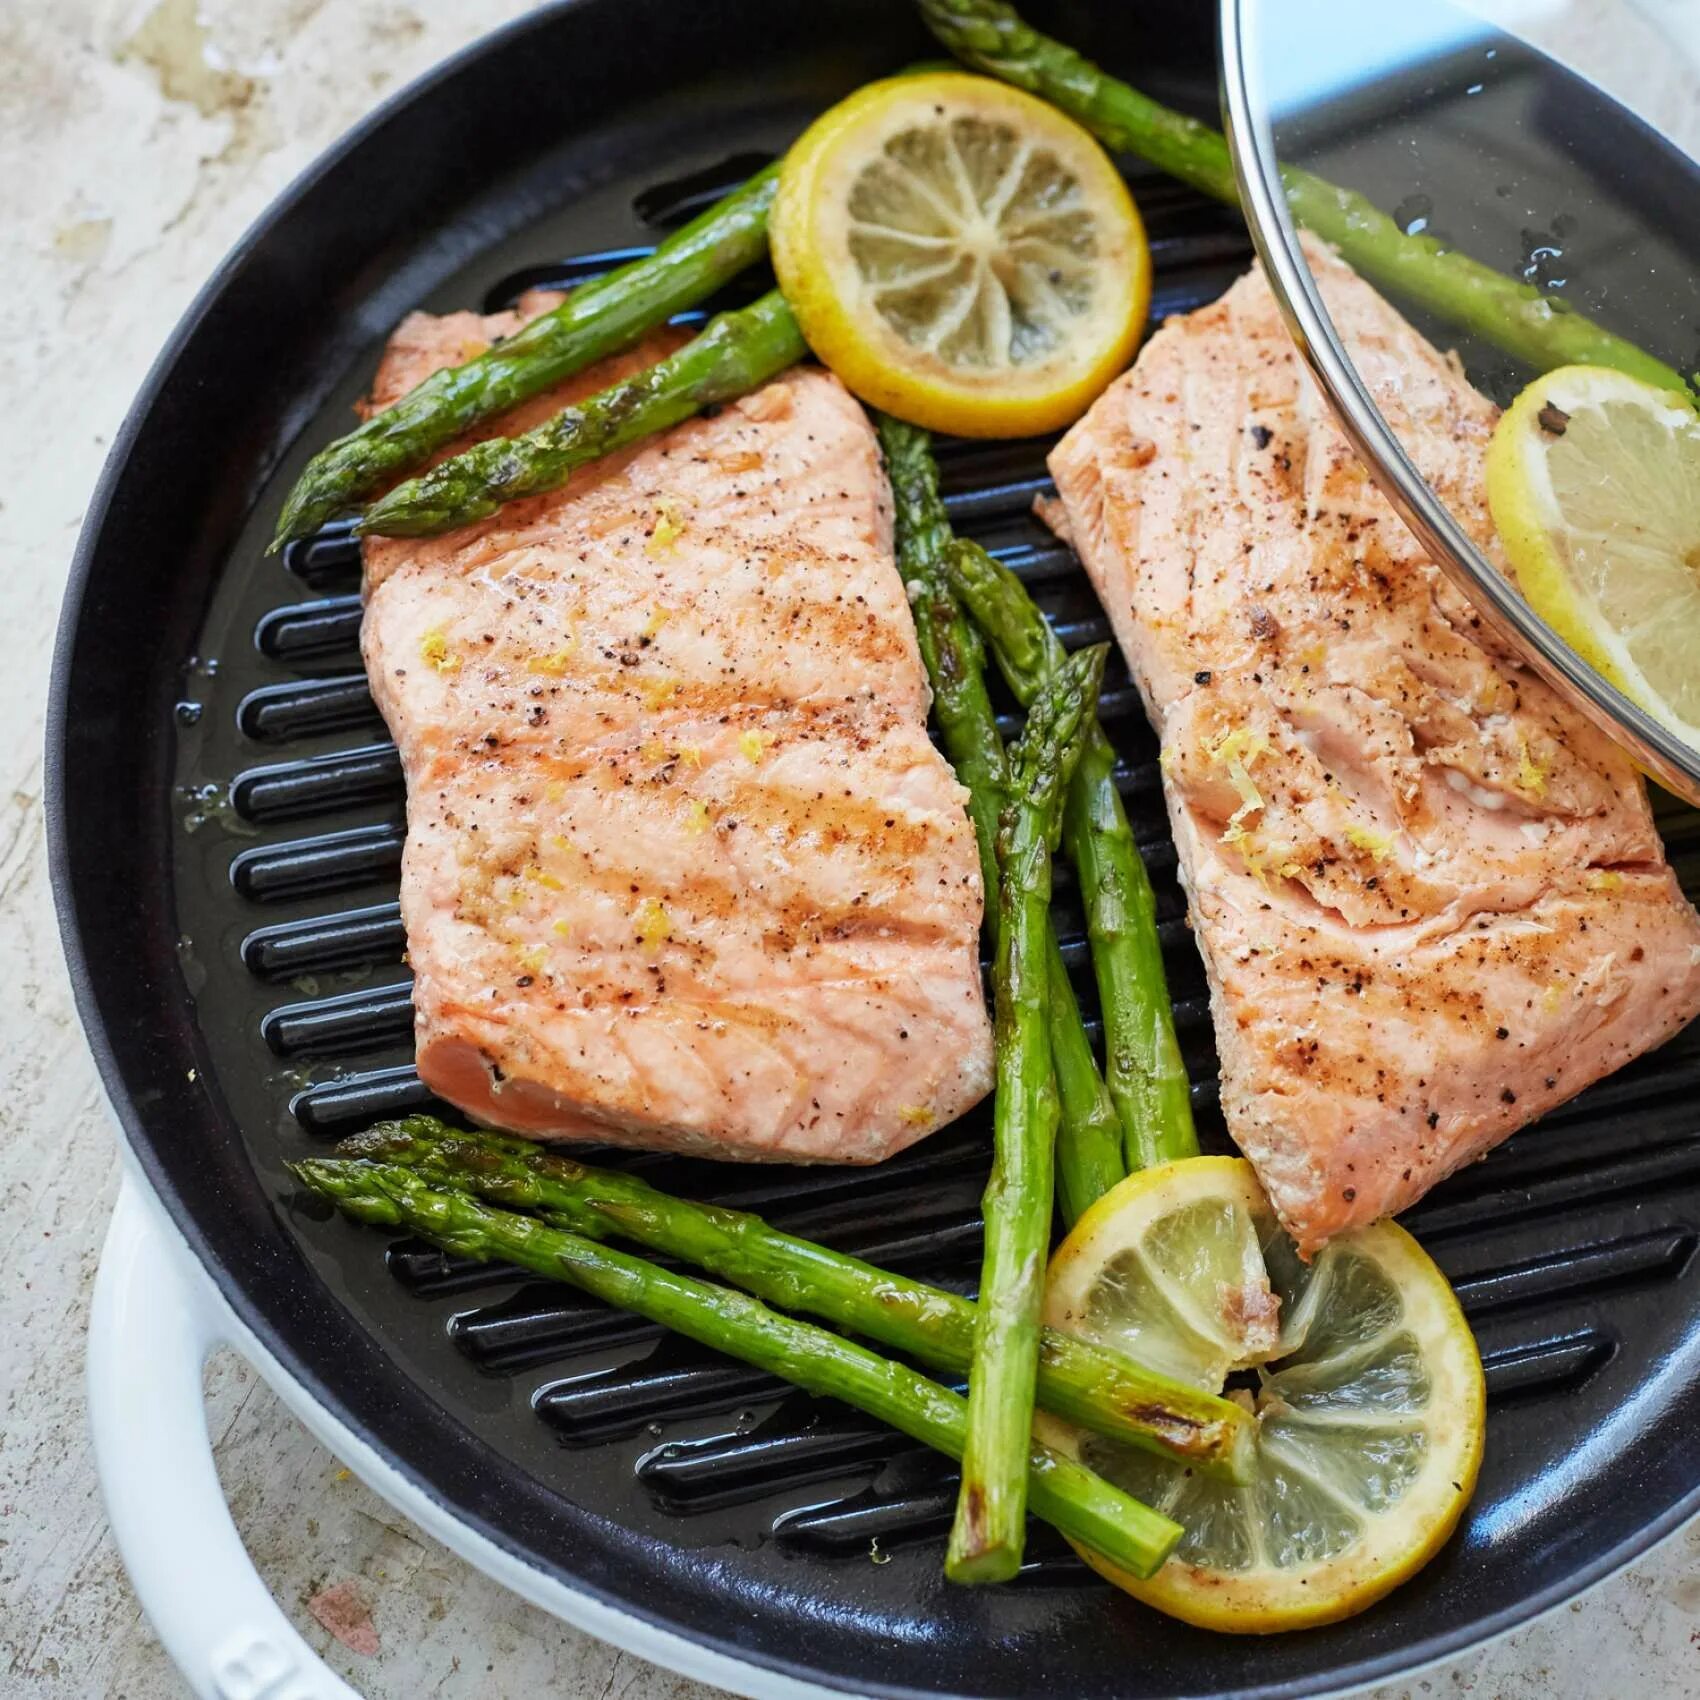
135	145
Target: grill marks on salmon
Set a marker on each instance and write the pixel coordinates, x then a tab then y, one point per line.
1430	898
683	869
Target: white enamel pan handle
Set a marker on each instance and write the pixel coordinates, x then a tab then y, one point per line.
155	1319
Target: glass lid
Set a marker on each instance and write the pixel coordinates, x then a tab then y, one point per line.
1519	180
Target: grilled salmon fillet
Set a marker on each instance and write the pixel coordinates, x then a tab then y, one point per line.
682	868
1430	898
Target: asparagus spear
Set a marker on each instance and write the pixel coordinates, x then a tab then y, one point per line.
1089	1132
1089	1137
1092	1387
992	37
991	1508
598	318
1147	1077
736	353
1082	1505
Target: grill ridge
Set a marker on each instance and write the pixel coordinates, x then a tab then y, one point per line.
300	633
1578	1269
803	1448
340	1106
317	866
281	713
602	1404
1543	1368
354	938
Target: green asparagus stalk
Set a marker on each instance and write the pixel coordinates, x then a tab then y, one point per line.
1089	1138
735	353
992	37
991	1509
1081	1504
1147	1078
1091	1387
1089	1133
598	318
1145	1073
950	647
1089	1144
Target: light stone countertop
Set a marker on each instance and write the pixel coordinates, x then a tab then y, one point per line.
137	141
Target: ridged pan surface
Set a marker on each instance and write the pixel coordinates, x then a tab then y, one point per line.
228	819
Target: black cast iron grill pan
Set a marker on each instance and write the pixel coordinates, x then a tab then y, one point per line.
228	823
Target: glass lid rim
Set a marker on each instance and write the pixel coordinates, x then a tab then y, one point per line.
1275	237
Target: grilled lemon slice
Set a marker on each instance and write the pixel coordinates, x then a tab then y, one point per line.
961	254
1594	481
1367	1387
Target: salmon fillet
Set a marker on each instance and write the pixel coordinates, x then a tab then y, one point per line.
683	869
1430	898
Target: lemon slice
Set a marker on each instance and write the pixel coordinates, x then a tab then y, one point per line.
1594	481
1368	1393
961	254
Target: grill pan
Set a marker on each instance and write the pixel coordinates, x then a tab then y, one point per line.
226	819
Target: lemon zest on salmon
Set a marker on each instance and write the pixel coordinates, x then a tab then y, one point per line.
691	753
696	818
657	692
654	752
1552	997
1258	856
532	960
1238	751
915	1115
543	877
1255	857
555	663
434	649
1491	696
653	625
1531	776
1604	879
665	533
654	925
1378	846
754	744
562	928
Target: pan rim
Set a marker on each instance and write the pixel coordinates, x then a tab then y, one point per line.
296	1370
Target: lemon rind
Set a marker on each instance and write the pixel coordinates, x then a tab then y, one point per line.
1401	1540
856	343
